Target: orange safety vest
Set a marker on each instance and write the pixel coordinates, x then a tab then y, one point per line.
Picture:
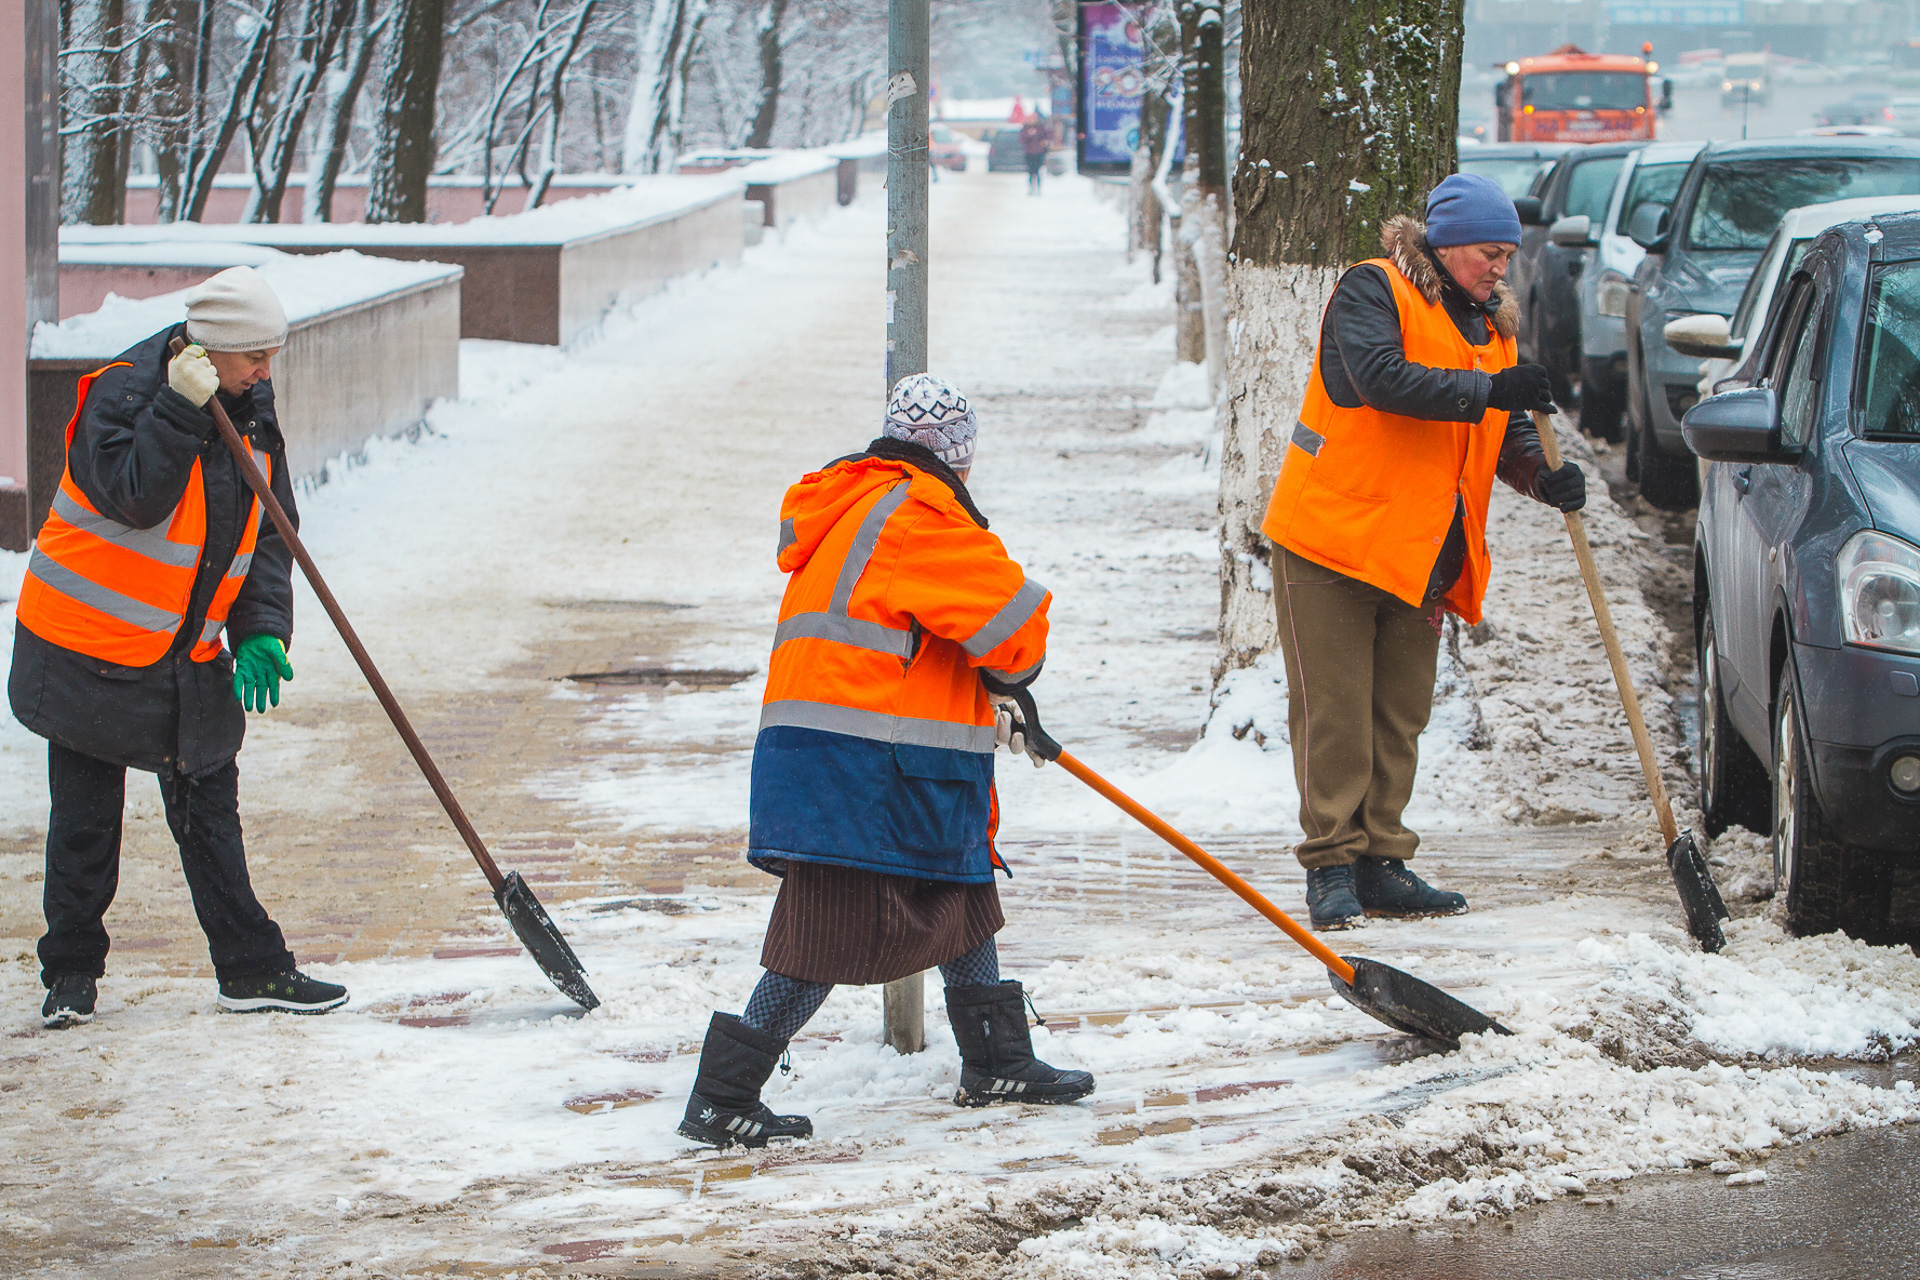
1371	495
876	736
119	594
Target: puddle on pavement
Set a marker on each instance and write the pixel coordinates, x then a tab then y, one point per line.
669	679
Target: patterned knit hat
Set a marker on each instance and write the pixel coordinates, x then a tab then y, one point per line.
926	410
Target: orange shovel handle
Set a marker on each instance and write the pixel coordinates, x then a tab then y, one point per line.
1214	867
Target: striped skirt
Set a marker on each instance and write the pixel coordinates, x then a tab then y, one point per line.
843	925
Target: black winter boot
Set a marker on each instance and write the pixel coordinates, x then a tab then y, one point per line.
1332	902
996	1051
725	1107
1387	888
69	1002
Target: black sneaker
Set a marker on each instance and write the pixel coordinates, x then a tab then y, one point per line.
289	992
1387	888
1332	902
69	1002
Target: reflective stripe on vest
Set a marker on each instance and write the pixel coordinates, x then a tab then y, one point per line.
834	624
1371	494
121	594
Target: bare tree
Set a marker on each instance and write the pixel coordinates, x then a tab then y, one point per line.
96	57
407	141
659	84
766	109
328	150
1350	114
274	141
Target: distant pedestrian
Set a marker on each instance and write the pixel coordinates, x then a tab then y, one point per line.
1036	139
873	795
1416	402
153	550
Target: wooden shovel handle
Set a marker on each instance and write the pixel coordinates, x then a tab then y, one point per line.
275	512
1583	552
1213	866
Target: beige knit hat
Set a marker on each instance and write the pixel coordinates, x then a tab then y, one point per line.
236	311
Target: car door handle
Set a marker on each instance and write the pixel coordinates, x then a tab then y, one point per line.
1743	480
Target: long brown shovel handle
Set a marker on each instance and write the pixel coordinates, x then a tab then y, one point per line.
1583	552
258	483
1213	866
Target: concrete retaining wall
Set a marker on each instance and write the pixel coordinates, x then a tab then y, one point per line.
401	345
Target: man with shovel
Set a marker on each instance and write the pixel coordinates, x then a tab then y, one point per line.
873	790
1416	402
153	548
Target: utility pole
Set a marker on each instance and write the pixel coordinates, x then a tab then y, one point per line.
909	66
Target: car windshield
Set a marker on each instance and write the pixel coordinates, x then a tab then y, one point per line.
1891	372
1742	201
1589	187
1760	285
1515	174
1583	91
1651	184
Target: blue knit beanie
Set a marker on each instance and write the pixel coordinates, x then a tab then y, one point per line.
1470	209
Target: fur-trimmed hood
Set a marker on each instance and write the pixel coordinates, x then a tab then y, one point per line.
1404	240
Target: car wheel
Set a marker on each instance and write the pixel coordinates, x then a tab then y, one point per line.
1828	885
1671	484
1602	403
1733	782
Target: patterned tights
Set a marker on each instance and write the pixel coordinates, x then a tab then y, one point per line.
780	1005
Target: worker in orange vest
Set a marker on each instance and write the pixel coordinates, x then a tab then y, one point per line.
1416	402
152	551
873	794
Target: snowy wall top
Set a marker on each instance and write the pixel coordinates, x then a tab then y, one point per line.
147	252
309	287
647	199
868	146
785	168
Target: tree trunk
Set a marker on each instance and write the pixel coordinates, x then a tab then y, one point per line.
328	152
766	111
397	187
168	91
1350	113
557	104
276	143
206	151
93	190
650	135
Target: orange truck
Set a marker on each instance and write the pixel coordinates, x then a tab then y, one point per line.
1571	95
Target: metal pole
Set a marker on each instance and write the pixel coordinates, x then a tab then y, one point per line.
909	65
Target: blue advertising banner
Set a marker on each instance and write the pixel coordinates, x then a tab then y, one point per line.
1112	78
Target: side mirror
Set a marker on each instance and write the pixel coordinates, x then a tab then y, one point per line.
1740	426
1500	95
1666	95
1648	227
1575	231
1528	207
1703	337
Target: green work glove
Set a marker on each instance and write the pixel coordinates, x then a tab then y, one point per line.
259	665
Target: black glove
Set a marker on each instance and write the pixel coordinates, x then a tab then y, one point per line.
1525	387
1564	487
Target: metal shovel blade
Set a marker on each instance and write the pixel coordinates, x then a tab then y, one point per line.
1699	896
541	937
1407	1004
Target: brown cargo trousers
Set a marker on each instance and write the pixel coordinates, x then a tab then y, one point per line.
1360	674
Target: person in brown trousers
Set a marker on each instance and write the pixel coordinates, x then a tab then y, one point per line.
1416	403
873	793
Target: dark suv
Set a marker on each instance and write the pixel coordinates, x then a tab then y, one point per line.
1807	583
1701	251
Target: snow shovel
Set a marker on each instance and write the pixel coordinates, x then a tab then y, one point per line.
1699	896
529	919
1398	999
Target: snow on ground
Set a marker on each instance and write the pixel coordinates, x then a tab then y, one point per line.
458	1110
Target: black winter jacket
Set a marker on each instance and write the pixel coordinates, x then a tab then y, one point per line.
132	456
1364	361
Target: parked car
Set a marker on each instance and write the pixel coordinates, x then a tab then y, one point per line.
944	150
1870	106
1807	580
1650	175
1777	261
1545	274
1905	115
1700	252
1514	165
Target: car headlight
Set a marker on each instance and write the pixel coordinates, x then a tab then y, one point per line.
1879	580
1610	292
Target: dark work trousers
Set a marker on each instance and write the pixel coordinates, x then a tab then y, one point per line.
1360	672
83	867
